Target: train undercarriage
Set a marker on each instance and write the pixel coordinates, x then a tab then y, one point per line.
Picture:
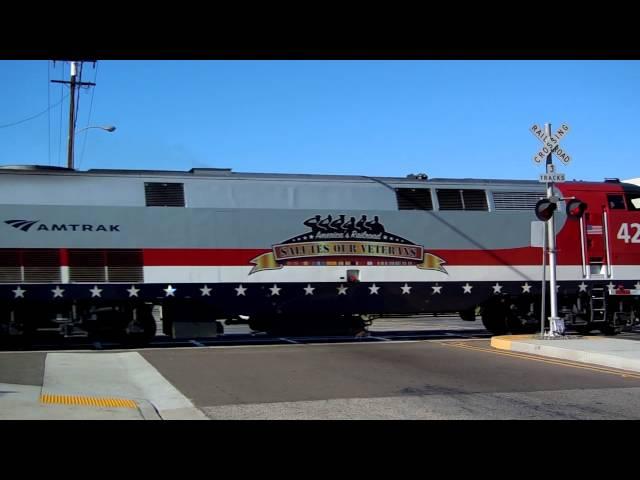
138	322
128	323
584	313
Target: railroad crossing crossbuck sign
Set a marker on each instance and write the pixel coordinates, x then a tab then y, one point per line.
551	144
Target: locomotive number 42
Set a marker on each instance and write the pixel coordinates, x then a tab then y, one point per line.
623	233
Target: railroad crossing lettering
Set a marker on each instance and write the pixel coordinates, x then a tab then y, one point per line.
551	177
551	143
541	154
562	155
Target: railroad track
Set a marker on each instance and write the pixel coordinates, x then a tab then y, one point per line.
243	339
248	339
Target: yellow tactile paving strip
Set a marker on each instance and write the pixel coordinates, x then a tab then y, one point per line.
84	401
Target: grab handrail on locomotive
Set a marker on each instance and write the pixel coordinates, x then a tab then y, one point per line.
108	253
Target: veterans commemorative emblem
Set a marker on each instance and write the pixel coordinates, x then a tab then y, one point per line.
346	242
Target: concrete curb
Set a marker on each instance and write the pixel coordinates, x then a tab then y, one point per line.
147	410
504	342
607	352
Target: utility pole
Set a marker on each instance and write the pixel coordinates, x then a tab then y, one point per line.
72	106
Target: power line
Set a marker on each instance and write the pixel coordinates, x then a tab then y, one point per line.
84	142
32	117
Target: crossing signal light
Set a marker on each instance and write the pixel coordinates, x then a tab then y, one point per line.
575	209
544	209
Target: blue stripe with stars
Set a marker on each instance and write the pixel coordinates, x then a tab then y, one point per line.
364	296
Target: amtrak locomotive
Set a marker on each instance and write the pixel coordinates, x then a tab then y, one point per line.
95	252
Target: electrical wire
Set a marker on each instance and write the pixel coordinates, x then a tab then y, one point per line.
32	117
84	141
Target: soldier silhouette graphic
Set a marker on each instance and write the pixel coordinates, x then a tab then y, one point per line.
374	226
336	225
324	225
360	225
349	227
312	223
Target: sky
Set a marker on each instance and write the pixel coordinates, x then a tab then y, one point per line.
445	118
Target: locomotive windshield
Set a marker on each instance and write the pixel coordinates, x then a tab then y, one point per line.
633	201
616	202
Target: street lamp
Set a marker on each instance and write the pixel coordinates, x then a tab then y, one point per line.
106	128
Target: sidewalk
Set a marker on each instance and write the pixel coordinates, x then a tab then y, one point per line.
27	402
97	386
605	351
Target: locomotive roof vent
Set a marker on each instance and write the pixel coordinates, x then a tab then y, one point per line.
210	171
40	168
418	176
612	180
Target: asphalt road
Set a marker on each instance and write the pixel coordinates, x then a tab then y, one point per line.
461	378
415	380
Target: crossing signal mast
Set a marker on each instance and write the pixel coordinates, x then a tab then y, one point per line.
545	209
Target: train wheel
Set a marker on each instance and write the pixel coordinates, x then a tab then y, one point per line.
494	318
494	323
500	319
468	315
141	329
5	327
258	324
583	329
608	330
17	328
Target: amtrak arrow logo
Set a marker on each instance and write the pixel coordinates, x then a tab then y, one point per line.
23	225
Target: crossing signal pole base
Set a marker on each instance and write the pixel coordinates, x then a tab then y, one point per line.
556	327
